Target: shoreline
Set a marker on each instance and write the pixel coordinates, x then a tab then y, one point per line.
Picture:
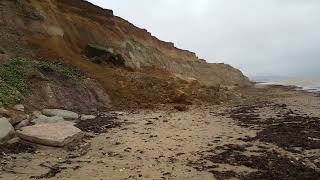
296	87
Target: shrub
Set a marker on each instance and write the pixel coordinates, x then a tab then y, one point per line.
13	73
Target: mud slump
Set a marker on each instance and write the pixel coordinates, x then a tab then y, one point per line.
288	129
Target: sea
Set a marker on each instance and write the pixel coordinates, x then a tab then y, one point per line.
310	84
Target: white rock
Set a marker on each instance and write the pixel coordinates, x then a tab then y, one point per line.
87	117
19	107
62	113
42	119
6	129
54	134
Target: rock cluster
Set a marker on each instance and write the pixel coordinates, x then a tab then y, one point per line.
50	127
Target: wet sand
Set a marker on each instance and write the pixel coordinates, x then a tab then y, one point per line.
273	133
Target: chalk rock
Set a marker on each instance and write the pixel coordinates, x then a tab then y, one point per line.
62	113
42	119
53	134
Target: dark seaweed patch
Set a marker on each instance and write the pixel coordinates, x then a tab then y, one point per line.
16	148
290	130
268	166
98	125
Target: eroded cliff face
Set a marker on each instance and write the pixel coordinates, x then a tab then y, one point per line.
62	29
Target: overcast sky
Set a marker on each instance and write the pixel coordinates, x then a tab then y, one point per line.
261	37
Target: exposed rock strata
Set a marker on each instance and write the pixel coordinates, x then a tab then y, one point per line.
63	28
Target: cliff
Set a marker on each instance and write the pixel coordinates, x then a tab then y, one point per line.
61	30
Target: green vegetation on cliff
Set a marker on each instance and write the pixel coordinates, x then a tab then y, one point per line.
16	75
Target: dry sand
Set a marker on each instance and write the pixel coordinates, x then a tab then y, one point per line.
228	141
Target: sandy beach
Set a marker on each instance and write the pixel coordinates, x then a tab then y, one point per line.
159	90
272	133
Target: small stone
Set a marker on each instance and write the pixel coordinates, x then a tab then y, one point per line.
23	124
16	118
87	117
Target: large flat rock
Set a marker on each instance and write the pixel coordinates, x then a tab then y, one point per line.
53	134
62	113
6	129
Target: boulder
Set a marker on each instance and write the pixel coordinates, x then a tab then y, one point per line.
17	117
6	130
87	117
42	119
19	107
54	134
62	113
13	115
